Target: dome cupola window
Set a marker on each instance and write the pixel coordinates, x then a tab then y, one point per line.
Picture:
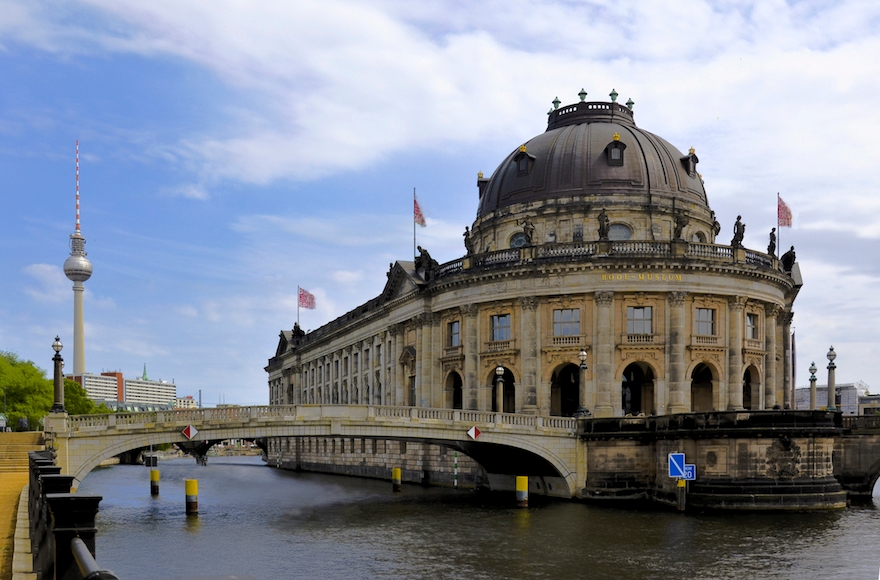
689	162
618	232
524	161
614	151
518	240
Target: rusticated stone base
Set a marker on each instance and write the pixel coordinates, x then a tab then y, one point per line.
797	494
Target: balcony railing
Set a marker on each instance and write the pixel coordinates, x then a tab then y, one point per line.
705	340
567	340
500	345
638	339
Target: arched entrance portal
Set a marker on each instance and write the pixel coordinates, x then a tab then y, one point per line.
564	390
701	389
508	403
751	389
453	391
637	390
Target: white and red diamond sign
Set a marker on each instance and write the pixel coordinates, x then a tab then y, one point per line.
189	431
473	432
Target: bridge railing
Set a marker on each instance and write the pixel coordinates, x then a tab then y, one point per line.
88	423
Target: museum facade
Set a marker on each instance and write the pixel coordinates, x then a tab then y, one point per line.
594	283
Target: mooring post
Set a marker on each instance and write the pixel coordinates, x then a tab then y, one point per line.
682	494
522	491
191	488
154	482
395	479
455	470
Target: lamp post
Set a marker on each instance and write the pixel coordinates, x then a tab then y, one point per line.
813	370
58	407
831	388
499	389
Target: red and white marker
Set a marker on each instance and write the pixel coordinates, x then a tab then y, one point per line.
189	431
473	432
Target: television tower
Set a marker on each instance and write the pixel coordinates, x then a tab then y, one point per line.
78	268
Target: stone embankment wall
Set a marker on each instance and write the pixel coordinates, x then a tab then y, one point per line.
419	462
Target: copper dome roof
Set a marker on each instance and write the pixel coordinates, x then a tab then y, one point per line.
571	159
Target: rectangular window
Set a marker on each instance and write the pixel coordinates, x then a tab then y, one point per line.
705	321
355	362
638	320
752	326
379	354
566	322
501	327
453	334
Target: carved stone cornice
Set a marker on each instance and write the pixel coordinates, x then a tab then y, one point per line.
528	302
676	298
604	298
788	317
436	317
395	330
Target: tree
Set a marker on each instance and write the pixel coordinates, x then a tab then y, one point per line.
30	394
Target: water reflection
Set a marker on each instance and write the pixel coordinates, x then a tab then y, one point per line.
265	523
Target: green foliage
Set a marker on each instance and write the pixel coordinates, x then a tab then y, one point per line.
30	394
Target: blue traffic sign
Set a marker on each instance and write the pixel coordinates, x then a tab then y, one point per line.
690	472
676	465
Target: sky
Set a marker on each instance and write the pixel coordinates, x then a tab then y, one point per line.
231	151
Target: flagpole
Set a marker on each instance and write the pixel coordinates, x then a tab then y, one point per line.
297	305
414	225
778	228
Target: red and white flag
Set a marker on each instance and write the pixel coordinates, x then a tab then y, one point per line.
418	216
783	213
306	299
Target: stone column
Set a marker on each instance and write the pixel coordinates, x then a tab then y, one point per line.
735	306
679	393
394	358
771	311
470	344
529	351
348	373
786	359
604	359
433	356
423	374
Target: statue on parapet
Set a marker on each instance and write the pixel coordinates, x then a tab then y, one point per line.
739	232
788	259
604	225
681	221
528	230
468	241
771	248
424	262
297	332
716	227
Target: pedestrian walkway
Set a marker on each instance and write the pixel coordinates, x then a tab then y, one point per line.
14	448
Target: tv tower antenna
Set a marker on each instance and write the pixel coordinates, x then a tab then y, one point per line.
78	268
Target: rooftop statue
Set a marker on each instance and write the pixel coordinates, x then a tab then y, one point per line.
788	259
528	230
604	225
681	221
739	232
771	248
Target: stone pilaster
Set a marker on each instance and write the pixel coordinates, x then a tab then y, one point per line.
735	306
394	358
471	355
433	356
679	393
604	349
771	312
529	352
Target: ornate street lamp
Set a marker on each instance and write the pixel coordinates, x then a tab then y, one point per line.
58	407
582	410
831	387
499	389
813	370
583	358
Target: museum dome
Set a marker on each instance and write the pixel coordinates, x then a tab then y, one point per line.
595	152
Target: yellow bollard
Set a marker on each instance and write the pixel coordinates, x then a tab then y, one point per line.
395	479
154	482
522	491
191	487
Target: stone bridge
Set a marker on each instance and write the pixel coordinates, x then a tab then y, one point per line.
857	455
509	444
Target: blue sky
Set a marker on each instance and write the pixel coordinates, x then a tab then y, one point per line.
231	151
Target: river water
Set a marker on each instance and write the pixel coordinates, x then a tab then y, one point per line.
259	522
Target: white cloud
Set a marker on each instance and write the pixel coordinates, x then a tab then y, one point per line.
53	285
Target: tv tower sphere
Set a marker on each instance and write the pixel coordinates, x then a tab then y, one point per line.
77	267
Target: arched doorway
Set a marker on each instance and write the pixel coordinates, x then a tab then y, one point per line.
564	390
508	395
637	390
751	386
454	397
701	389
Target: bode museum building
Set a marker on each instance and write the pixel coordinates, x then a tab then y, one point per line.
595	281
